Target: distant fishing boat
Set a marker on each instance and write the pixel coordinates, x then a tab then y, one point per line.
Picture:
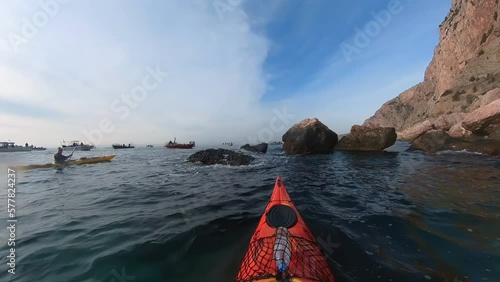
175	145
150	146
38	148
122	146
76	145
12	147
227	144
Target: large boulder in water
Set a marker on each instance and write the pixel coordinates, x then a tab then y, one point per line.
438	140
431	141
484	120
309	136
364	138
260	148
220	156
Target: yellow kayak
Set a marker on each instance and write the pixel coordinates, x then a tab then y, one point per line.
74	162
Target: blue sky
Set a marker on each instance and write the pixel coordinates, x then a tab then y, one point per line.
240	71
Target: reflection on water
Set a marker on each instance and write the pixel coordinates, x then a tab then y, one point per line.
456	221
390	216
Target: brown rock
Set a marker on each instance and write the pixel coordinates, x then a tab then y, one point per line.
458	131
398	112
415	131
220	156
259	148
309	136
437	140
363	138
484	120
495	135
483	146
467	29
465	66
445	122
431	141
490	96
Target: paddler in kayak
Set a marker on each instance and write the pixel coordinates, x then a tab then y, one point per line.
59	158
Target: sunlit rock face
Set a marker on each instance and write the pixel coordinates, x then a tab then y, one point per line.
465	67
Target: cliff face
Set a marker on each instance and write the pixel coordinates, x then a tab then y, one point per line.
466	65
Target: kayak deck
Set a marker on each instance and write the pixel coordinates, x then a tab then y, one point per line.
80	161
307	262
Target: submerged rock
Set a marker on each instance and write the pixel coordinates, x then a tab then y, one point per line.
363	138
260	148
438	140
220	156
309	136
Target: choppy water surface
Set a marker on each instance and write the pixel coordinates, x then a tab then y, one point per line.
151	216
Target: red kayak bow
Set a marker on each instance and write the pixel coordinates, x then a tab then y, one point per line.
282	247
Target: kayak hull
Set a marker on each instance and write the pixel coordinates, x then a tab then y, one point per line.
307	261
81	161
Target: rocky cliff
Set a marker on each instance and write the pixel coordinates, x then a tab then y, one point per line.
465	67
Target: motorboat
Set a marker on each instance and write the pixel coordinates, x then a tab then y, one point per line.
12	147
175	145
122	146
76	145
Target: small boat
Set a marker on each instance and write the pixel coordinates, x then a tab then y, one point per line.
275	143
122	146
229	144
175	145
282	247
12	147
80	161
38	148
149	146
76	145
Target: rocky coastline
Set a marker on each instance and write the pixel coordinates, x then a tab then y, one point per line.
307	137
459	100
456	107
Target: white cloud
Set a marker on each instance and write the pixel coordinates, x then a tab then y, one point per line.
16	86
89	55
22	129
